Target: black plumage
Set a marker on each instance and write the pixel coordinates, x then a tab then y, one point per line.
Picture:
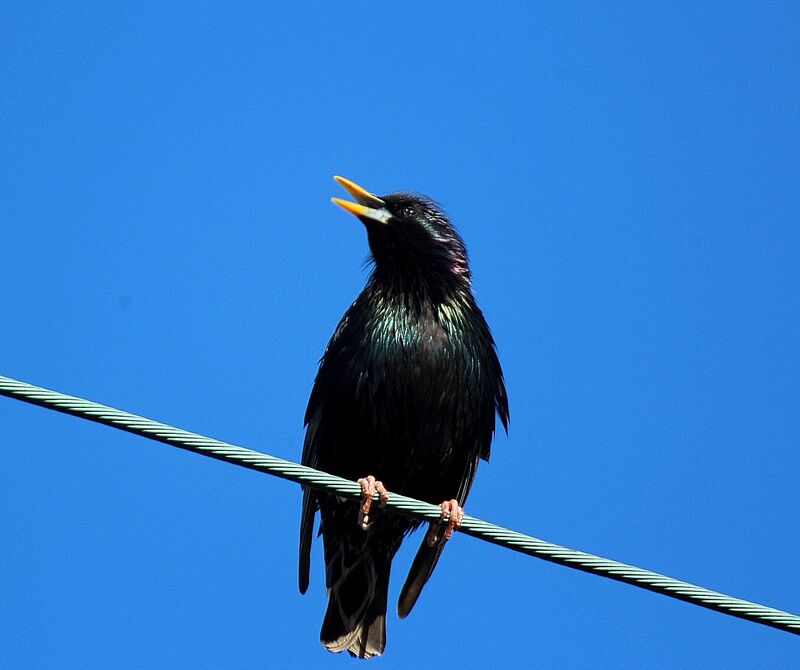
407	391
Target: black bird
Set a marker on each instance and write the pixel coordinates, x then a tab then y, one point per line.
405	396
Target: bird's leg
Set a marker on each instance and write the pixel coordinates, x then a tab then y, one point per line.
369	487
452	516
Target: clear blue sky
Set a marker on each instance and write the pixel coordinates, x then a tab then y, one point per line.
627	180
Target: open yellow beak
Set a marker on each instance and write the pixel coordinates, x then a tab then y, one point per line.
367	205
361	195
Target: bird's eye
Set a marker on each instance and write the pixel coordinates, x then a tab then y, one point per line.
409	211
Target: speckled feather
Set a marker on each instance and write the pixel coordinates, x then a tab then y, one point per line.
407	391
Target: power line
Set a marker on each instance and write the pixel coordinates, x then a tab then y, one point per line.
323	481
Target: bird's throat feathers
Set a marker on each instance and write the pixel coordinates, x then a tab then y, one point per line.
448	281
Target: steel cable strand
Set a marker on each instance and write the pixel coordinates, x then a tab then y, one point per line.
323	481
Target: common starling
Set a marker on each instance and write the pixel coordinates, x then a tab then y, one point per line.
405	397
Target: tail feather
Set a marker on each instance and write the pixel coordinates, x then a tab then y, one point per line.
363	639
355	620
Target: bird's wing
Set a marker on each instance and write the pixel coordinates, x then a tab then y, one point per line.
328	372
309	509
496	389
427	557
421	570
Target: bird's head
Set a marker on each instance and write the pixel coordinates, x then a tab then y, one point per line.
409	235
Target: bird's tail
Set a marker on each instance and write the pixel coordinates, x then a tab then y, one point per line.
355	620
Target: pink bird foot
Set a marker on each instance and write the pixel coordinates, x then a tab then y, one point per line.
451	518
369	487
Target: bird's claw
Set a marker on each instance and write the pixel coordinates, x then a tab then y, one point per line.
450	519
369	487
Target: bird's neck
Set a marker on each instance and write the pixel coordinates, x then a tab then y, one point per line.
403	288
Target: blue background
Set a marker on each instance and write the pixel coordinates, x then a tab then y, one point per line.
627	180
